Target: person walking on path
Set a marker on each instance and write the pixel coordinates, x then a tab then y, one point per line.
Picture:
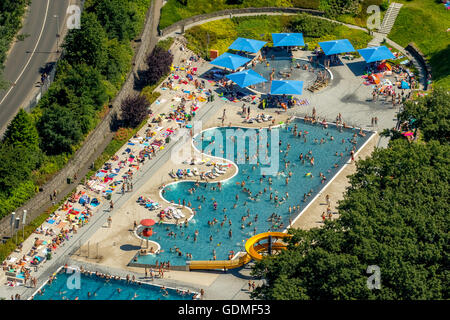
111	205
109	221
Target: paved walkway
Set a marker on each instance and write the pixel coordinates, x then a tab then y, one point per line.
99	219
325	102
376	41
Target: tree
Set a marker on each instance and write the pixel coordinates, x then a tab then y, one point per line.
117	17
22	132
311	26
134	110
87	44
158	62
334	8
119	61
58	129
430	114
394	215
84	81
16	165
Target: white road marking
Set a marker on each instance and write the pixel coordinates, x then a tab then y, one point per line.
32	54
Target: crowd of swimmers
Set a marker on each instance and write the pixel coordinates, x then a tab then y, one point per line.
108	277
248	223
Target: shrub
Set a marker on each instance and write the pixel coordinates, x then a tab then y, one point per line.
58	130
158	62
431	114
150	95
334	8
166	43
117	17
394	215
22	132
311	27
16	166
134	110
87	44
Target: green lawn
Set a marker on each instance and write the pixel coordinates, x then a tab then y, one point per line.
223	32
174	11
425	23
360	19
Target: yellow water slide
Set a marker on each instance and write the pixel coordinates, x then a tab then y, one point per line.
219	264
253	248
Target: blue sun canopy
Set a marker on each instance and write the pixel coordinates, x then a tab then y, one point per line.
286	87
336	46
373	54
230	61
247	45
246	78
287	39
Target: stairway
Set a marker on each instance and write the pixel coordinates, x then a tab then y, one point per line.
389	18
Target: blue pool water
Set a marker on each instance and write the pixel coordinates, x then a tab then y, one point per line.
101	289
283	64
298	185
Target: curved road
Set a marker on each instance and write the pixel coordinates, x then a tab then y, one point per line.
27	57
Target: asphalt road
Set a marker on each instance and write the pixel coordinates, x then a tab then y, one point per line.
27	58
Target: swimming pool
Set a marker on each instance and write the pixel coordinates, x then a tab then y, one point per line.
305	179
101	289
282	64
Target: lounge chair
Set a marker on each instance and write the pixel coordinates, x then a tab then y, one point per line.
219	170
175	214
180	213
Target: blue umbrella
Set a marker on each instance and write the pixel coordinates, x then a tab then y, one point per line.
373	54
246	78
336	46
405	85
286	87
287	39
248	45
230	61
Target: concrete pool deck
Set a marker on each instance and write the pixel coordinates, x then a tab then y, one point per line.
117	245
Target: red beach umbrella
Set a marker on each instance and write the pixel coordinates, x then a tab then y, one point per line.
147	222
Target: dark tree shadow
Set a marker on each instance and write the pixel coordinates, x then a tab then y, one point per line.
440	63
